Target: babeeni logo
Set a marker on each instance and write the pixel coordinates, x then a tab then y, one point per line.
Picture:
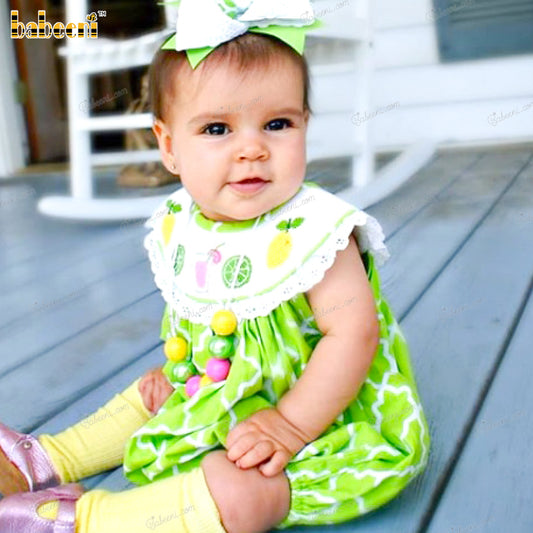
42	29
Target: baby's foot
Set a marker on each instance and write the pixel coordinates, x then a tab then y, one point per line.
24	464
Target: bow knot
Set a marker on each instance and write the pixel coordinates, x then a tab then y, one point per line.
204	24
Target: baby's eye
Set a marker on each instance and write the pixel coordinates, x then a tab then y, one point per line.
217	128
278	123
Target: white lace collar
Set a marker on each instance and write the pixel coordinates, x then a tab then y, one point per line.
252	266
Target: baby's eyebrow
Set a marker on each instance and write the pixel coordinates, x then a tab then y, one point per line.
206	116
213	115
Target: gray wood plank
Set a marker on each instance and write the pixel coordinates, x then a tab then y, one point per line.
424	245
456	331
57	322
44	386
399	207
59	247
27	236
58	281
490	489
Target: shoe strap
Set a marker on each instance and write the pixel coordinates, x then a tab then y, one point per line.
66	517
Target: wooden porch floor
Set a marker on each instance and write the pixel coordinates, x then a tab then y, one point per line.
80	317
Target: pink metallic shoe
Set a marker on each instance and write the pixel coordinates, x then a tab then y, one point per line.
24	464
18	512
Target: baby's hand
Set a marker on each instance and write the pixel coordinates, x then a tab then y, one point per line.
155	389
265	437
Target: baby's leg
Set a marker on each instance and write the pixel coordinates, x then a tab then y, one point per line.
96	443
216	497
247	501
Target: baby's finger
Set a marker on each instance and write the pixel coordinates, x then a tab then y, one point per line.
149	400
277	463
242	444
236	433
259	453
142	386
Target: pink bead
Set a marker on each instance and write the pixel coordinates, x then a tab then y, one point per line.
217	369
192	385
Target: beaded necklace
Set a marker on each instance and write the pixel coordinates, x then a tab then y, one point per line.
221	345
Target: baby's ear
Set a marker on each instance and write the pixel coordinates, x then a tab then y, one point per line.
164	141
162	134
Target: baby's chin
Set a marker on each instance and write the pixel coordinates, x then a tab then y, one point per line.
241	209
247	211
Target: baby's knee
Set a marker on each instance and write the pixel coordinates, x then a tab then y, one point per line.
248	502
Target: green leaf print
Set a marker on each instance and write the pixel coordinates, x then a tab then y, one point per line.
173	207
297	222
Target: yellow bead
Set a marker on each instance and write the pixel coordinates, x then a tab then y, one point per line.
176	349
205	380
224	322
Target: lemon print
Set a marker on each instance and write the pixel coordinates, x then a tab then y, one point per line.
231	277
281	245
168	221
180	258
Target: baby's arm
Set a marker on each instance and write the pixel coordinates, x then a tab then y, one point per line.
346	314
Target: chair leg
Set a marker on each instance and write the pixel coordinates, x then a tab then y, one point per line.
79	137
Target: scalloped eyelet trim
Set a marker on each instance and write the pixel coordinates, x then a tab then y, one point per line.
369	236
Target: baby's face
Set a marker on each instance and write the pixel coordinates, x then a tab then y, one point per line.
238	142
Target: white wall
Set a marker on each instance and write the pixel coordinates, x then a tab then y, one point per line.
469	101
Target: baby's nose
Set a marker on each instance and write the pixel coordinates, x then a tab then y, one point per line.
252	147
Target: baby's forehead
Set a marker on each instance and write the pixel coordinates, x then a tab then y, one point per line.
255	86
232	74
229	78
232	70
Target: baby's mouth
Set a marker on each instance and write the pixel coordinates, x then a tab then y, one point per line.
249	185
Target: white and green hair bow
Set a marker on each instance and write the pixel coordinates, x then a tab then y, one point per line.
204	24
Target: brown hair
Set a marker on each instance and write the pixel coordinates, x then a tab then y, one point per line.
250	50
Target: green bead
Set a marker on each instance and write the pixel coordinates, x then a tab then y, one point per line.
221	347
183	371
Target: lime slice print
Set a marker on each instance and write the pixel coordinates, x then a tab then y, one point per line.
230	274
180	258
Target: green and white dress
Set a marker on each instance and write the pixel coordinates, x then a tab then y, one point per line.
261	270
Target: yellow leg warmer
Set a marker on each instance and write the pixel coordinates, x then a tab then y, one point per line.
179	504
96	443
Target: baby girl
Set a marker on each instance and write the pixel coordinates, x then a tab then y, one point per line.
288	395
